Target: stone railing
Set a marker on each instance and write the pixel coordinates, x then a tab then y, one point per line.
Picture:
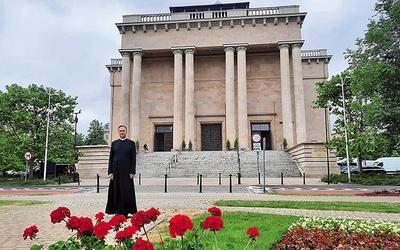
166	17
314	53
117	61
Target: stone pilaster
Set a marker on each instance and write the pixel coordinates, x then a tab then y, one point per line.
286	94
301	128
135	97
243	134
230	119
125	89
178	109
189	97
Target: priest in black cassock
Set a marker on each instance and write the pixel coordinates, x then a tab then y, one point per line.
121	170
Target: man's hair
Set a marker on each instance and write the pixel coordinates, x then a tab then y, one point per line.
123	127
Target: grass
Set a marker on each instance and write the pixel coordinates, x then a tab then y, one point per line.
34	181
378	207
233	234
21	203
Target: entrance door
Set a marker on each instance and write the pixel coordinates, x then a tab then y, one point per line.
163	138
211	137
258	132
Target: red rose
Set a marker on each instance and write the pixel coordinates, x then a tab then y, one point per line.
215	211
179	224
31	232
99	216
141	244
214	223
101	229
140	218
153	214
59	214
253	232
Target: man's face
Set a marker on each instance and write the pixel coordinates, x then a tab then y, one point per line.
122	132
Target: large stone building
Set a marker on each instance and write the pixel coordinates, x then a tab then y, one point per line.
207	74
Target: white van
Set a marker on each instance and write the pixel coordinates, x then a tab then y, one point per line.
390	164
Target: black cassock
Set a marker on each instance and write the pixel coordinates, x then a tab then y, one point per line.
121	190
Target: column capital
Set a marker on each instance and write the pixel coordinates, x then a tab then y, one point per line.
190	50
297	45
241	48
229	48
283	46
177	51
125	53
137	53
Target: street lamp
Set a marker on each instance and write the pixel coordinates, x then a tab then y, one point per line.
345	132
47	135
327	139
76	122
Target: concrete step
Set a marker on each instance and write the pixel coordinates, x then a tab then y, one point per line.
214	163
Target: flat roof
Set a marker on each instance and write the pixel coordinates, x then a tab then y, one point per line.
210	7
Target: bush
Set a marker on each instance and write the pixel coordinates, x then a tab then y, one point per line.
364	179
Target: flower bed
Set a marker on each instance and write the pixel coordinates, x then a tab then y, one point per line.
121	233
340	234
385	192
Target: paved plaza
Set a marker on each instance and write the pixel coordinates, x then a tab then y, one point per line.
182	195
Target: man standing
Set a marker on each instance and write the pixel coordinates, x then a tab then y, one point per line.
121	170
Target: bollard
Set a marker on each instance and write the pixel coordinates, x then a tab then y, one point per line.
219	178
239	175
304	178
59	180
140	179
281	178
201	183
230	183
165	185
259	178
98	183
197	182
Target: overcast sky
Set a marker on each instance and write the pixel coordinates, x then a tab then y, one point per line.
65	44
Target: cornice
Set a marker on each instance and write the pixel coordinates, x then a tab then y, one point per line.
236	22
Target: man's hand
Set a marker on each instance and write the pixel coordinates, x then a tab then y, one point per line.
131	175
111	176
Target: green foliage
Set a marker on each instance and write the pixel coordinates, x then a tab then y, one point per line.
228	144
23	124
284	143
190	145
183	145
364	179
137	145
236	144
95	134
371	90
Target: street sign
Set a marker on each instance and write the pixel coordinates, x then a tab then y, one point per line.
28	156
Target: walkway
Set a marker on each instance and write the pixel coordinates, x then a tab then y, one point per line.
183	196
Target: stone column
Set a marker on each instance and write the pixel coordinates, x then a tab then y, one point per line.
286	94
125	89
301	128
189	97
135	97
230	119
243	134
178	72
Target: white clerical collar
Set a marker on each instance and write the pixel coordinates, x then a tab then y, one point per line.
122	139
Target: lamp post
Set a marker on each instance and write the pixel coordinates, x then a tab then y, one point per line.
76	123
47	135
345	132
327	139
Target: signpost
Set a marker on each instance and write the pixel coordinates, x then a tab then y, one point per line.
28	157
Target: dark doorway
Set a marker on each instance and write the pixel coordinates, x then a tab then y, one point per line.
211	137
163	138
258	132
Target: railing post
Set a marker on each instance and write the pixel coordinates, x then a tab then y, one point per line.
230	183
201	183
98	183
165	184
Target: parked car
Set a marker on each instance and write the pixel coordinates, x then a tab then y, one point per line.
390	164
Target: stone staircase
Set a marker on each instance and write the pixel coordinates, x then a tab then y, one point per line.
212	163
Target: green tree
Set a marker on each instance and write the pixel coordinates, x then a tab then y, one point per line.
23	117
95	134
371	89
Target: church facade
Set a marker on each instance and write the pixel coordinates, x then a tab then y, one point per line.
219	74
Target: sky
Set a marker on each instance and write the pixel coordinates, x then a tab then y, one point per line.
66	44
